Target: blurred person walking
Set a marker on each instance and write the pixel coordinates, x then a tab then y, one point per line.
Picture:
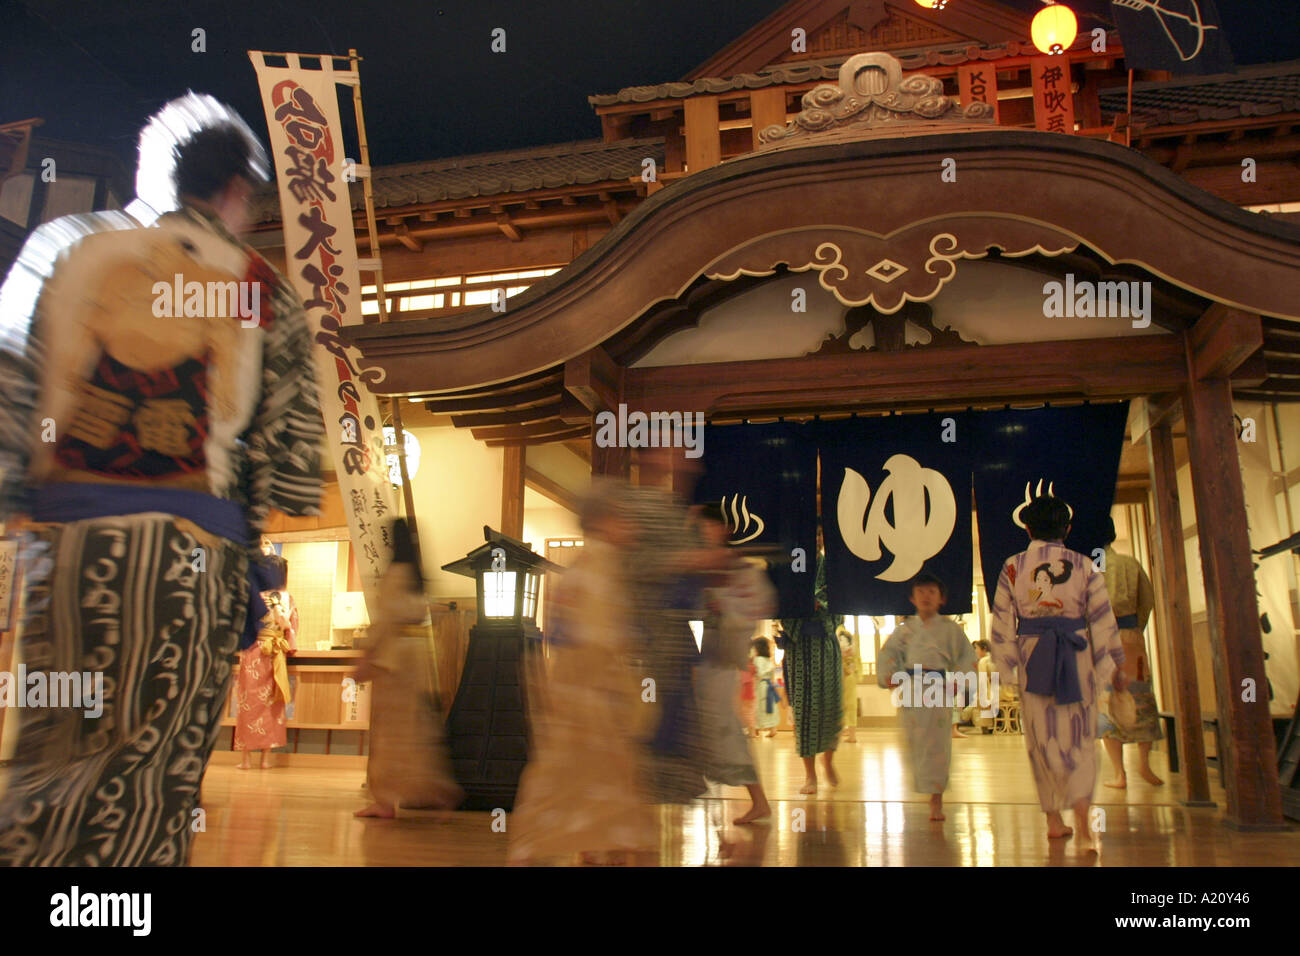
148	454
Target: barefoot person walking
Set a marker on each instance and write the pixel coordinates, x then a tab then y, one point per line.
1052	620
1132	599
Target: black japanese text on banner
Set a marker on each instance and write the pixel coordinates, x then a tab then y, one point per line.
895	499
302	115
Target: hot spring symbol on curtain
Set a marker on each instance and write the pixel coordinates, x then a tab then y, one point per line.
917	534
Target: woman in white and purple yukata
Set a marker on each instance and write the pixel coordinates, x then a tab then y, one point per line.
1053	628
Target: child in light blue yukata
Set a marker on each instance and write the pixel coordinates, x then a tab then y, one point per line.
918	660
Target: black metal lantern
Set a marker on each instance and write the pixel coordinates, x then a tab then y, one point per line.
487	728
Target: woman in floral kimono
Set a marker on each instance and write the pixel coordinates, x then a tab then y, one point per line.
1052	624
262	689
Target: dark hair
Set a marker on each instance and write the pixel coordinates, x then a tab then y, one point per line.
404	549
927	577
212	157
1047	566
1046	518
981	645
761	648
1109	536
712	511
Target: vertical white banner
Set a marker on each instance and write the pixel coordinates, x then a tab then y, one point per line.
1271	585
8	569
302	116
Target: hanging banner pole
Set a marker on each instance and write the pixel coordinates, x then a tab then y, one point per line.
377	267
306	139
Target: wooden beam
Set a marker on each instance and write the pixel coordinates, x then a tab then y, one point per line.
595	380
1170	561
522	432
516	416
512	491
612	212
767	107
493	402
508	228
703	137
535	480
1248	754
614	462
1222	339
1152	411
404	236
1080	368
541	440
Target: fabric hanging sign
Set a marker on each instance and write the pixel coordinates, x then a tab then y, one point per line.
302	116
765	477
1072	453
895	499
1184	37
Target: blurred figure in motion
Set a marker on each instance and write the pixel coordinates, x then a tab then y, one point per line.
409	765
735	600
849	661
581	792
262	688
147	443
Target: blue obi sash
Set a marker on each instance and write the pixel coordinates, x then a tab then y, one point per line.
1052	669
80	501
1129	622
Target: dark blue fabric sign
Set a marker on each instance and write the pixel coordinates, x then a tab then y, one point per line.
1184	37
1072	452
896	498
765	476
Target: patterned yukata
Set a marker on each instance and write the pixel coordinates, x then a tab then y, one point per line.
767	699
733	611
814	675
663	604
1132	599
936	646
1052	620
172	439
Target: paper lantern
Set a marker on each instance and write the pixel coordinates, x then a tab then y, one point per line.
1054	28
932	4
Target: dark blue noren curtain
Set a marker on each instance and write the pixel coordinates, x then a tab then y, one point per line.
1073	451
1181	36
896	498
766	478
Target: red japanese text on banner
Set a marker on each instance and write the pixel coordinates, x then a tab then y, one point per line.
1053	101
302	116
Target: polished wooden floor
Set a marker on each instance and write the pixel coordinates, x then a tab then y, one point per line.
290	816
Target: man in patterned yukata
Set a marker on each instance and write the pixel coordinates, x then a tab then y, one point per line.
147	439
1052	620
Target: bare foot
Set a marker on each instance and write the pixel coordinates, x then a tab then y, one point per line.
832	777
810	786
1120	784
756	814
956	733
1056	828
379	811
936	807
1149	776
244	766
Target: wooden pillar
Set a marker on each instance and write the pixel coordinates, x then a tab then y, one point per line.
1245	726
703	136
512	492
766	108
612	462
1171	569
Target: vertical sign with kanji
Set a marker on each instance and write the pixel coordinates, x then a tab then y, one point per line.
302	116
1053	101
979	84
